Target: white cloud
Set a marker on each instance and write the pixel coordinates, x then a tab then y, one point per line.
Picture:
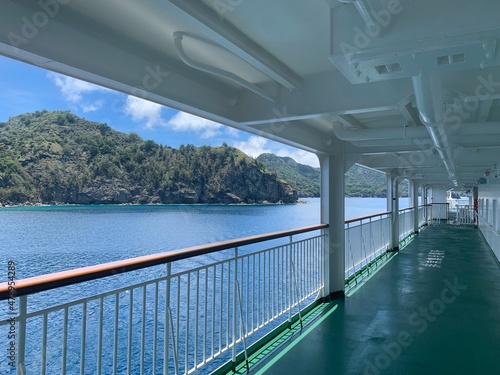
91	107
254	146
300	156
143	111
182	121
73	91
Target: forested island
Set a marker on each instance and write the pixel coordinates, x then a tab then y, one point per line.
56	157
59	158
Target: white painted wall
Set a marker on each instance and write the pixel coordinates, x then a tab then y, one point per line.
489	213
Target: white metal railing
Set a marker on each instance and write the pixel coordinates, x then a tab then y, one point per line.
406	222
466	214
365	239
439	211
205	305
182	311
423	214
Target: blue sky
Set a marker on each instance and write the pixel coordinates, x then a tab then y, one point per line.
26	88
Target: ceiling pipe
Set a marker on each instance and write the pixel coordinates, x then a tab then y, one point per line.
460	141
409	142
384	133
430	104
404	135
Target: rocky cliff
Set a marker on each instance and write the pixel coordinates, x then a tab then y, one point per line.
60	158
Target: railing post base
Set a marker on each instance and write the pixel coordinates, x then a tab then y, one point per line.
393	250
337	295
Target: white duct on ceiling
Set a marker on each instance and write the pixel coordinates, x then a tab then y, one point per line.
411	132
429	97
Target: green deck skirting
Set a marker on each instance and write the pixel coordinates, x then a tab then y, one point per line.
274	339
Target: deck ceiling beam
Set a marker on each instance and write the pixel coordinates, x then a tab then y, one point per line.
322	94
408	112
484	110
349	121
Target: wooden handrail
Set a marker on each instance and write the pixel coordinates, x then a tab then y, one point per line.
59	279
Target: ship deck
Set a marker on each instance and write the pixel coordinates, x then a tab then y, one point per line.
433	309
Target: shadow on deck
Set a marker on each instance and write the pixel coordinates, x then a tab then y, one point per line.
433	309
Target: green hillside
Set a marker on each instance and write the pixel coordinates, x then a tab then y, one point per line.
360	182
303	178
59	158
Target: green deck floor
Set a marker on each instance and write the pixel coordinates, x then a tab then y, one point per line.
433	309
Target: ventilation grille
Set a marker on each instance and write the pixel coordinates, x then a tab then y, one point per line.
451	59
388	69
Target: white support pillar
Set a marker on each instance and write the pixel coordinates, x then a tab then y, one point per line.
332	213
393	207
414	195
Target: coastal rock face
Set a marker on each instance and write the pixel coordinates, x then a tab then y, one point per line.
59	158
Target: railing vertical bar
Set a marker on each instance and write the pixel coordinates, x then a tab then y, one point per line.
280	262
169	324
294	273
115	333
214	281
289	262
188	320
155	328
44	346
177	318
84	338
221	309
303	269
254	290
65	341
364	253
100	324
272	283
228	306
21	348
307	268
175	341
196	322
205	315
242	331
258	280
129	340
235	280
267	286
247	291
143	329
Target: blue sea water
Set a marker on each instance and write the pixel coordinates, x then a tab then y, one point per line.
49	239
42	240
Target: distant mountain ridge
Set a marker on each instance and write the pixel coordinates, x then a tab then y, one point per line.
59	158
303	178
359	181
